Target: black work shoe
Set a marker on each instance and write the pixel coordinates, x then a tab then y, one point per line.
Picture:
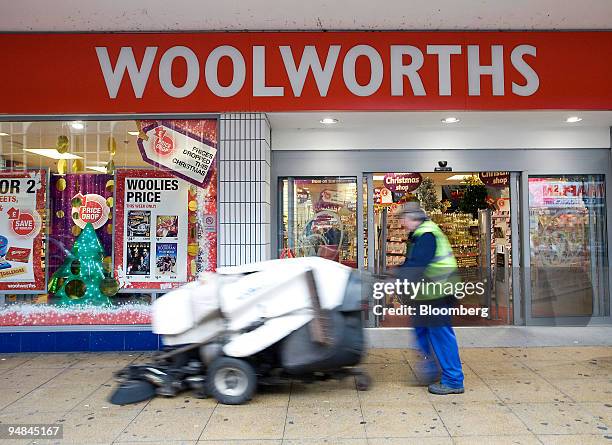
443	390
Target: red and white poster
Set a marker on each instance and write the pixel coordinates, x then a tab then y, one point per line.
166	145
22	206
90	208
155	225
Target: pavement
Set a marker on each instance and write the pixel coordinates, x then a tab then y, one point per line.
550	395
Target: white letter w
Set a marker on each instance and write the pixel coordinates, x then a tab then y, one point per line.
310	61
138	76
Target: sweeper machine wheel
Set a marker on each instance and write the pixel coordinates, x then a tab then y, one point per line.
231	381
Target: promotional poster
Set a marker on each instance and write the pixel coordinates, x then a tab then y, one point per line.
22	206
156	212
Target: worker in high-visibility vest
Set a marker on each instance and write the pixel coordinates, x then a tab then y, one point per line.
430	259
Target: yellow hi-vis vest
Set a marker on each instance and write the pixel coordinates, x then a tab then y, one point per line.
441	274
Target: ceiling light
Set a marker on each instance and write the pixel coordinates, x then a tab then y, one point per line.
450	120
573	119
77	125
96	168
133	133
458	177
3	134
329	121
51	153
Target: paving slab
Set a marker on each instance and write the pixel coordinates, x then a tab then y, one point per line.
245	422
171	424
558	418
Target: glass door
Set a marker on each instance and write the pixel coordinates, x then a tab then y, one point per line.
473	209
568	249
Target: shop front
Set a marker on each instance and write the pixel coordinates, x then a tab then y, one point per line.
123	173
533	238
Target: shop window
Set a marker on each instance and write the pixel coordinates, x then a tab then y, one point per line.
568	238
99	217
473	211
319	218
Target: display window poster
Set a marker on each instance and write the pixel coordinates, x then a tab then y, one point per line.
194	146
162	236
169	145
22	212
565	194
77	199
153	213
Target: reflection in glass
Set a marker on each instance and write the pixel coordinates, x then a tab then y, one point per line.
319	218
568	246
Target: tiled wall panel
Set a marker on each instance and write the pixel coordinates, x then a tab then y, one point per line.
244	189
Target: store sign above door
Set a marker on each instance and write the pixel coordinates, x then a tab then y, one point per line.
171	148
216	72
495	179
402	182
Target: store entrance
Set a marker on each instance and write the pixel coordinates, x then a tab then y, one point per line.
473	210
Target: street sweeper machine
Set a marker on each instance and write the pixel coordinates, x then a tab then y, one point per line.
257	324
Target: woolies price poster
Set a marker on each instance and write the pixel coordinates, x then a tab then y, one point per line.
153	226
22	206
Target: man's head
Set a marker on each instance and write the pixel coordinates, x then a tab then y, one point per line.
411	215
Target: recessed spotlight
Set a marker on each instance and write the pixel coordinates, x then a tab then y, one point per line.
329	121
573	119
133	133
450	120
3	134
77	125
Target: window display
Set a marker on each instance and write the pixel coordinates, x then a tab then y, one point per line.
568	245
320	218
91	231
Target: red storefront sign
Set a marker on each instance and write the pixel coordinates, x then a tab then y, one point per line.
216	72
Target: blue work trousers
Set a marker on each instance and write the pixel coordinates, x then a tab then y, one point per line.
436	340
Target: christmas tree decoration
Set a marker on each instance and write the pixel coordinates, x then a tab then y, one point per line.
60	185
110	185
62	166
111	145
426	194
141	134
77	166
110	167
109	286
62	144
59	213
474	197
82	278
76	201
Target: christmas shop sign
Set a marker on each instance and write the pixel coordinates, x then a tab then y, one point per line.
495	179
402	182
187	155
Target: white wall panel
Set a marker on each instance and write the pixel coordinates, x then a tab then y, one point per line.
244	179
